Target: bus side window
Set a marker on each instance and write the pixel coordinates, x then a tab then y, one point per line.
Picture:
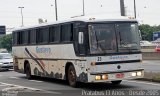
51	34
32	36
42	34
25	37
29	32
19	38
66	33
14	38
57	33
45	34
39	35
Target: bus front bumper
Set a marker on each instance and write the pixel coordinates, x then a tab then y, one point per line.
114	76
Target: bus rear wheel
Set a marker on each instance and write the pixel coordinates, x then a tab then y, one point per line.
116	82
72	76
28	71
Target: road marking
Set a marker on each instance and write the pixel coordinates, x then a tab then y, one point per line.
14	77
6	84
16	87
29	80
13	87
3	85
19	85
142	82
35	81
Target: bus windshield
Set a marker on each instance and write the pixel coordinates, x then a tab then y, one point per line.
113	38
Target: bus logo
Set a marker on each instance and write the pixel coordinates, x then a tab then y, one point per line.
43	50
119	57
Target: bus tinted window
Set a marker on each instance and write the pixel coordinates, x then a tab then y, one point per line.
39	35
14	38
29	32
51	33
42	34
66	33
56	33
45	35
19	38
32	36
25	37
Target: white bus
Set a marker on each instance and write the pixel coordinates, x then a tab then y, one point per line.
80	50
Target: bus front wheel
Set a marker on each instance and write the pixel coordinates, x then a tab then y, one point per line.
28	71
116	82
72	76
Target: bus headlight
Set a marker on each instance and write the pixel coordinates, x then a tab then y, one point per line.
139	73
133	73
104	77
98	77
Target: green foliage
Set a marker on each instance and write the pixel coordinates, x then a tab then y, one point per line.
6	42
147	31
156	78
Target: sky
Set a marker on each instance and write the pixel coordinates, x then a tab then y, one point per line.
10	15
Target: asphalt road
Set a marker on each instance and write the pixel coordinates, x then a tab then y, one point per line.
16	84
151	65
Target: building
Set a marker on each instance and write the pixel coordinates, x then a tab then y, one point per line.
2	30
156	35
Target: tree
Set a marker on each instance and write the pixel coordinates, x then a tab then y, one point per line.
147	31
6	42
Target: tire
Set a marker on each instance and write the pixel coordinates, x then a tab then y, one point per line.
72	76
28	72
116	82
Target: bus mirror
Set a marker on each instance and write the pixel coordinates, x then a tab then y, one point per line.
80	37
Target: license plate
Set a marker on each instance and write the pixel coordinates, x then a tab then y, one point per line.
119	75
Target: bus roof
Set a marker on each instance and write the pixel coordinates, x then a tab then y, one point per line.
97	18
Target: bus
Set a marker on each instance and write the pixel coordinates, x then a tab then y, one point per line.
80	50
